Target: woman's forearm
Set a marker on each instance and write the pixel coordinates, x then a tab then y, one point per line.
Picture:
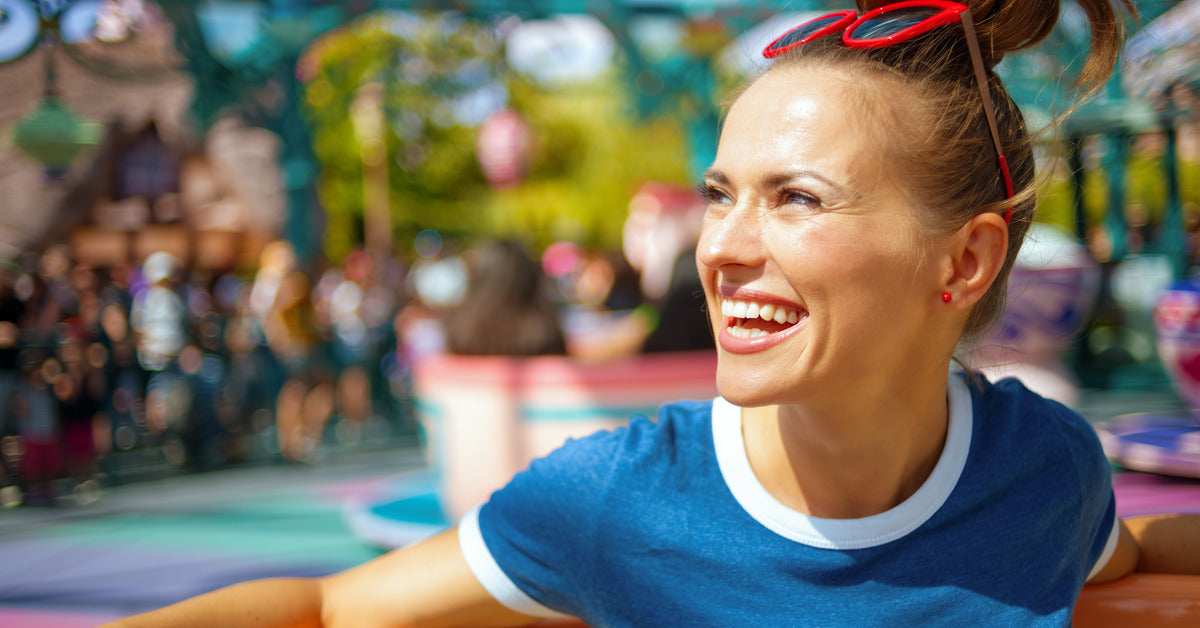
1169	542
290	602
427	584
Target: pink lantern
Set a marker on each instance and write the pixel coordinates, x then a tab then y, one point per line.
503	147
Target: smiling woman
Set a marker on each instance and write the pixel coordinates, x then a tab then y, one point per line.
868	197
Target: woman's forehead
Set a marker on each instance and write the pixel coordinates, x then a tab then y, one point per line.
800	118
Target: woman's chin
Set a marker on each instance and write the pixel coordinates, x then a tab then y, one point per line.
747	392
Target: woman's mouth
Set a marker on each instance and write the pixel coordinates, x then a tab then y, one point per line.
752	320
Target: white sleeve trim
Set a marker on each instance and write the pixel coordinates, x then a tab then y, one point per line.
1110	546
489	573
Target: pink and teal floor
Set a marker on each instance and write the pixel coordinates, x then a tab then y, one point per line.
144	546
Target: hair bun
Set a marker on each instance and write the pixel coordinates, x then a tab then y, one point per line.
1005	26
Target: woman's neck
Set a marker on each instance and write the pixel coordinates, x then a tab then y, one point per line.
858	460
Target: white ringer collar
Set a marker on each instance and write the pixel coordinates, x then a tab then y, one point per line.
844	534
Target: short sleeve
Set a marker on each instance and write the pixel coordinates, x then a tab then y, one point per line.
1098	504
1109	541
530	544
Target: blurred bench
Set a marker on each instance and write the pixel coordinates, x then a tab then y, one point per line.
485	418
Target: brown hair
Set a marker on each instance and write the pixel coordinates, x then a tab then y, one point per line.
941	127
506	309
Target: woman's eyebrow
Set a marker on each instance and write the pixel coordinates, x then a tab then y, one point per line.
784	178
712	174
776	179
779	179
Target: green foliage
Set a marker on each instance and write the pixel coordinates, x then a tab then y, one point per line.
424	65
589	152
590	155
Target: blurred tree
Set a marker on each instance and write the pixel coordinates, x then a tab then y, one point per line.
430	69
591	150
441	74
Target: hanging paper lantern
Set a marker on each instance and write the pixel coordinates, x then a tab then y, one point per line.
55	135
503	148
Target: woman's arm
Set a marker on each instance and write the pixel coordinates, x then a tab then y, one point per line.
1168	543
277	602
1123	560
424	585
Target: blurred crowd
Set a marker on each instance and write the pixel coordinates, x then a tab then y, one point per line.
113	375
188	368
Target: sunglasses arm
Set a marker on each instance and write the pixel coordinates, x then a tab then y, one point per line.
989	109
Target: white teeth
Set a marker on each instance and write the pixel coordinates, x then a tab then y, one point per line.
744	332
765	311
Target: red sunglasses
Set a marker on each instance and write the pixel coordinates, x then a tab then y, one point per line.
892	24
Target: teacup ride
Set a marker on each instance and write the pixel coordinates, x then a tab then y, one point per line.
1166	443
484	418
1164	449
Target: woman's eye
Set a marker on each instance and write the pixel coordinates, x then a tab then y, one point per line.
711	194
801	198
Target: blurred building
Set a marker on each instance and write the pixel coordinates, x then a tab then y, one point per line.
151	183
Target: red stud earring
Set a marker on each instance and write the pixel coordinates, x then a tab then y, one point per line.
946	297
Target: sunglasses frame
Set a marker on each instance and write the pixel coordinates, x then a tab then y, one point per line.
847	22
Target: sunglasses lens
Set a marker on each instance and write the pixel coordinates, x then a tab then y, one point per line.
804	30
893	22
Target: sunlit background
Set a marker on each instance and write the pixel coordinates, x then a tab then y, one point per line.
232	235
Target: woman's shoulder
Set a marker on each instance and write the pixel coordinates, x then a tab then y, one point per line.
1010	413
583	471
680	424
1009	395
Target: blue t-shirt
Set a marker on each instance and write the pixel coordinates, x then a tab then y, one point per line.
664	524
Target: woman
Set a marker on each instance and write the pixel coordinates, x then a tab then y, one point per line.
860	224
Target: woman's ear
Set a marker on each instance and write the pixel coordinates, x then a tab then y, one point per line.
975	256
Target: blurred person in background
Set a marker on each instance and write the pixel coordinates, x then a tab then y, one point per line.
159	315
54	268
78	390
201	366
41	432
507	309
159	323
605	315
435	284
123	376
306	400
12	311
682	323
356	309
248	390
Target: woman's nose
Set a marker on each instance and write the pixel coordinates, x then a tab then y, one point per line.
734	238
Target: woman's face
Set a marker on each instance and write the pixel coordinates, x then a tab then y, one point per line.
805	228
